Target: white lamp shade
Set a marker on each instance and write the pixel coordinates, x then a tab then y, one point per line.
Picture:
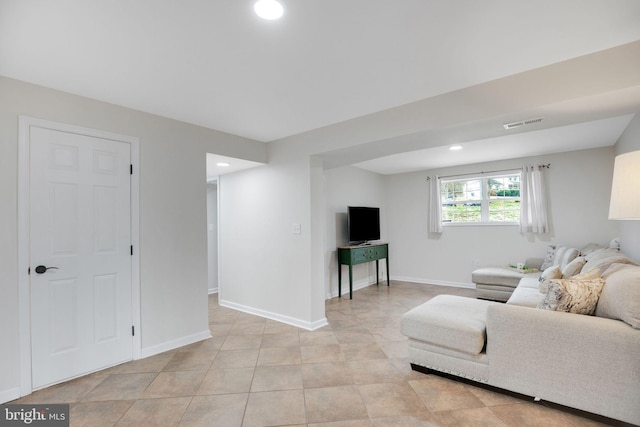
625	189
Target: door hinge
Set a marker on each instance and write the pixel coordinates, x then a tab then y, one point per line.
131	169
29	271
133	331
131	250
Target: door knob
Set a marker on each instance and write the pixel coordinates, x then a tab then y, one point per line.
42	269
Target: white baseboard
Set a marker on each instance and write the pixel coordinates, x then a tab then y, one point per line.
9	395
179	342
434	282
310	326
213	291
362	283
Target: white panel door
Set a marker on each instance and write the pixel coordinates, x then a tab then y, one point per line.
80	231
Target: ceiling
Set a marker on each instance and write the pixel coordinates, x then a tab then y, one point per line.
215	64
218	165
593	134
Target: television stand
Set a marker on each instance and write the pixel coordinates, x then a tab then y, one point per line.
359	254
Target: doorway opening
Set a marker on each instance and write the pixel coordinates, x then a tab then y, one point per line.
218	168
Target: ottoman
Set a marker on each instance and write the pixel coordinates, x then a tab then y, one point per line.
448	334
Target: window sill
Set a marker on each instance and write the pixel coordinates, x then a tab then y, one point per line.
479	224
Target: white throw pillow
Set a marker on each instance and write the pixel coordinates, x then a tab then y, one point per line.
552	272
573	267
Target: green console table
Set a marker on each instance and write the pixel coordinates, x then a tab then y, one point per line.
359	254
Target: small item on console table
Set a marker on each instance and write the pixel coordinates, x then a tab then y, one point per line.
525	269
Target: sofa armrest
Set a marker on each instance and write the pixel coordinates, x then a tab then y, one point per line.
586	362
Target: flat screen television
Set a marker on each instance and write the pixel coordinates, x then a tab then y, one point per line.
363	224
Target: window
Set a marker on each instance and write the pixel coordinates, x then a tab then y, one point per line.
485	199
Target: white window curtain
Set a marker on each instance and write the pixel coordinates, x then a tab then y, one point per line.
533	201
435	205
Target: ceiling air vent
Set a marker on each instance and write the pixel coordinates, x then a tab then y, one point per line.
522	123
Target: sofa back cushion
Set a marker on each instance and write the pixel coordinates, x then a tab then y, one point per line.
603	258
620	297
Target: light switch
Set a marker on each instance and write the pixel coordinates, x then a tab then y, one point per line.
296	229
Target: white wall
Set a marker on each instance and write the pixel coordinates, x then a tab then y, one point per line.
173	245
265	267
350	186
629	231
578	186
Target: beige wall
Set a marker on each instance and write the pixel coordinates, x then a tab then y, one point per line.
173	225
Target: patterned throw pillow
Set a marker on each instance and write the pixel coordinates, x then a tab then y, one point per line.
548	258
572	296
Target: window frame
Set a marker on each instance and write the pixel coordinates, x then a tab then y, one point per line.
484	200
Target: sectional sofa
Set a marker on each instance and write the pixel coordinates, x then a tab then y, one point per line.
568	339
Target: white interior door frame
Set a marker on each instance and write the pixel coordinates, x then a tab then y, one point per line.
24	305
216	180
219	230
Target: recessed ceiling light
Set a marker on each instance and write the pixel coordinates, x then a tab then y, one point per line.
455	147
268	9
223	164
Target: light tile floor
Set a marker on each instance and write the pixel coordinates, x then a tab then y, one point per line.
258	372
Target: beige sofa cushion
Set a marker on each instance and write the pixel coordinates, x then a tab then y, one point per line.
603	258
620	297
449	321
587	249
614	268
527	293
497	276
602	252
